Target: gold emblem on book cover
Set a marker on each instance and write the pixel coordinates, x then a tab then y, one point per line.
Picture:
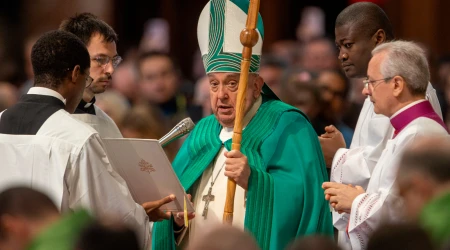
146	167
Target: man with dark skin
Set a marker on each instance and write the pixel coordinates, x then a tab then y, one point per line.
359	29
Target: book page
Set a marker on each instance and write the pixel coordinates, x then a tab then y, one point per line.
144	166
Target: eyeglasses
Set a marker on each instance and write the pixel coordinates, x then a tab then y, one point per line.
368	82
103	60
89	81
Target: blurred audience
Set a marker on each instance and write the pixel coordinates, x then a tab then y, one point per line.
356	100
334	88
198	70
443	75
114	104
315	242
399	236
271	70
147	122
224	238
445	99
319	54
160	85
311	25
286	49
201	96
29	42
24	214
112	236
8	95
156	36
424	184
143	121
299	90
125	81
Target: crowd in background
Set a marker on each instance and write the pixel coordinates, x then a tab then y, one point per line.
149	95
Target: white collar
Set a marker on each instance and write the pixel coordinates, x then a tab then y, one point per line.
407	107
46	91
227	133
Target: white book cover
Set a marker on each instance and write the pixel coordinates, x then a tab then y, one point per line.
144	166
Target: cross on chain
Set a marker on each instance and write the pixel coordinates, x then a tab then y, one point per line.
207	198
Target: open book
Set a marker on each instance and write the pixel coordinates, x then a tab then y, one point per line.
148	173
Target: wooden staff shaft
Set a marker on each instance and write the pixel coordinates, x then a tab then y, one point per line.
249	38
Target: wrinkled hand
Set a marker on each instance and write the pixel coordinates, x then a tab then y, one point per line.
178	218
341	196
330	142
153	211
237	168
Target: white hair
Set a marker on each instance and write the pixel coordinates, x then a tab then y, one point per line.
408	60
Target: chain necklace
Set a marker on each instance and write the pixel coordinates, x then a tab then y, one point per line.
209	197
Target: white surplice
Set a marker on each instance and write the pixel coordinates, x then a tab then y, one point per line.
101	122
380	202
67	161
355	165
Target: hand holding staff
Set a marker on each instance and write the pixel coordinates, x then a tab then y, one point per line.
249	38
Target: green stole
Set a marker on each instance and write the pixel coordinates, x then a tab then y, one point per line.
204	144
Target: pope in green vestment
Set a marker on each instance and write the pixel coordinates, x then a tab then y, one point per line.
284	198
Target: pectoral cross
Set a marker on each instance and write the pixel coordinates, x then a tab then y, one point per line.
207	198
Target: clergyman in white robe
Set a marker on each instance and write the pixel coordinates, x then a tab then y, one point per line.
355	165
43	147
380	199
92	115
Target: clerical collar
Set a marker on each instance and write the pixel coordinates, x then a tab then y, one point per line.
227	133
414	110
407	107
47	92
86	107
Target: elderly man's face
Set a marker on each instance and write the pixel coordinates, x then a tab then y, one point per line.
223	93
380	87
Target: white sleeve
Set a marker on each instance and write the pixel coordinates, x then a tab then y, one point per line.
350	166
381	199
94	185
355	166
368	211
433	99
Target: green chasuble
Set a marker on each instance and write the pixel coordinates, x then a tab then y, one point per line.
63	234
435	219
284	199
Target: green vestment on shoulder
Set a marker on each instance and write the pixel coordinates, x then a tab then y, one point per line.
63	234
285	199
435	218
